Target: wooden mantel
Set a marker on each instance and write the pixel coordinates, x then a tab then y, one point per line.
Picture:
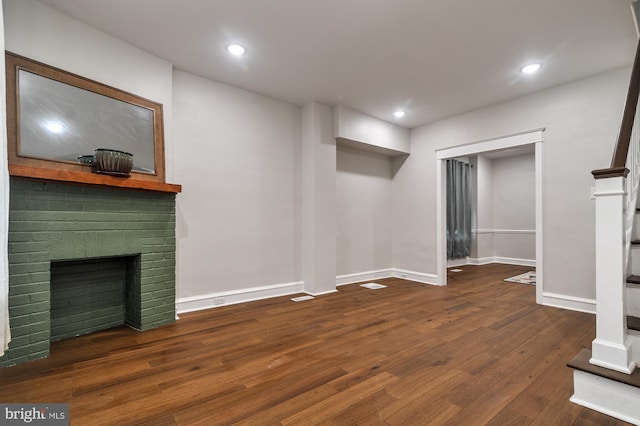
90	179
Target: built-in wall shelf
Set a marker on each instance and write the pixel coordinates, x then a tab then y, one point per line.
91	179
365	147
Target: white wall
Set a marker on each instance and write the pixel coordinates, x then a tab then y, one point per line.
581	120
363	211
514	207
504	209
318	199
45	35
482	241
239	212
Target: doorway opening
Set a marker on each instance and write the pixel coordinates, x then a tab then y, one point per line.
514	143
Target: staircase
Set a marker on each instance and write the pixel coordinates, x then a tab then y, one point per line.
611	390
606	378
632	283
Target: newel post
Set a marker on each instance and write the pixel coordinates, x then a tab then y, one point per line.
611	348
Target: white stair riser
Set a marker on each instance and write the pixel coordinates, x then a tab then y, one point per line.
606	396
634	258
633	300
635	235
634	337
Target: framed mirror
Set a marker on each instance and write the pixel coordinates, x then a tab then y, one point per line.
54	118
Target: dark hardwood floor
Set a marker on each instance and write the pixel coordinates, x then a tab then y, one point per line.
479	351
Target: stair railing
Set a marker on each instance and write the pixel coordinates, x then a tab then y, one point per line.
619	160
616	196
632	183
626	156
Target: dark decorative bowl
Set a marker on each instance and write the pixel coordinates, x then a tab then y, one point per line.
113	162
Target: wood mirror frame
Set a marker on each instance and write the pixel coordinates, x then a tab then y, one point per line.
16	63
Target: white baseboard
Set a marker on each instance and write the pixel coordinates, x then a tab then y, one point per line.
571	303
232	297
363	276
453	263
481	260
321	293
515	261
420	277
606	396
505	260
503	231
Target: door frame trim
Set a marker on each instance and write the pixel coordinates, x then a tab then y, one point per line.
510	141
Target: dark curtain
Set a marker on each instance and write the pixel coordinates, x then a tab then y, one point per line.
458	209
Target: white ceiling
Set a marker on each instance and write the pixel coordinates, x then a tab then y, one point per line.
433	58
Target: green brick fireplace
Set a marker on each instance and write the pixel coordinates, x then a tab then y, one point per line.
86	227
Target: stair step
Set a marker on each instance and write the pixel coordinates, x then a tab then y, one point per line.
633	323
633	279
581	362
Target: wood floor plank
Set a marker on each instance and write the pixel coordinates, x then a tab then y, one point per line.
478	351
367	411
342	401
418	411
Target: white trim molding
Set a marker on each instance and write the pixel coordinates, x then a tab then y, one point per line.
480	260
363	276
452	263
503	231
571	303
532	137
634	339
506	260
539	222
515	261
419	277
232	297
611	347
510	141
321	293
607	396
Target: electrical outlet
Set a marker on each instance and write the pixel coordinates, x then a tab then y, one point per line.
218	301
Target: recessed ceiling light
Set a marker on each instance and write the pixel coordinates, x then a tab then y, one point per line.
399	114
236	49
530	69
